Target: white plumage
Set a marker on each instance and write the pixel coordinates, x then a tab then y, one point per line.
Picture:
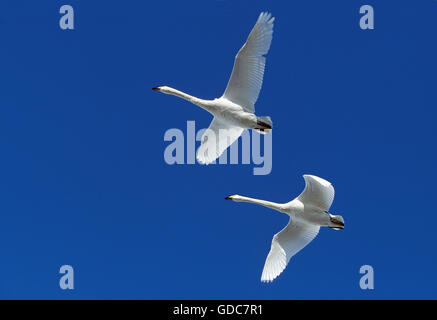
285	244
308	212
247	75
234	110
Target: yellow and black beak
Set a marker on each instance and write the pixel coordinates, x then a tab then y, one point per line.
156	88
229	198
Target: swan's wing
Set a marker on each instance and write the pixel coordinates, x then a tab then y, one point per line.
317	192
247	76
216	139
285	244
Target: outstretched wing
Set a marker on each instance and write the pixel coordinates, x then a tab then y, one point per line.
285	244
216	139
247	76
317	192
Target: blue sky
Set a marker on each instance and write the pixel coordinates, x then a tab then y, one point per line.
83	180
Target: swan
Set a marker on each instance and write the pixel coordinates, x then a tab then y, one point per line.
234	110
308	212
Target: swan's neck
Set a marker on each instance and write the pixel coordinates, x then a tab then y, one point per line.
268	204
200	102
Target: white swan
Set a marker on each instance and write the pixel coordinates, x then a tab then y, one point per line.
234	110
308	212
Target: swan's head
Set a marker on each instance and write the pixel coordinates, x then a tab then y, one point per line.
235	197
163	89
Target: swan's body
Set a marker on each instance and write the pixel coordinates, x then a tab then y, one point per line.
308	212
234	110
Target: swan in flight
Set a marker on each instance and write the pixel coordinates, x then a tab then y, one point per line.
234	110
308	212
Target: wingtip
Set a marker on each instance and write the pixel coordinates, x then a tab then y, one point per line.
204	161
266	16
318	179
266	280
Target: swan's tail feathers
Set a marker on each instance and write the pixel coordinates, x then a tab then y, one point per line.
336	222
264	125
